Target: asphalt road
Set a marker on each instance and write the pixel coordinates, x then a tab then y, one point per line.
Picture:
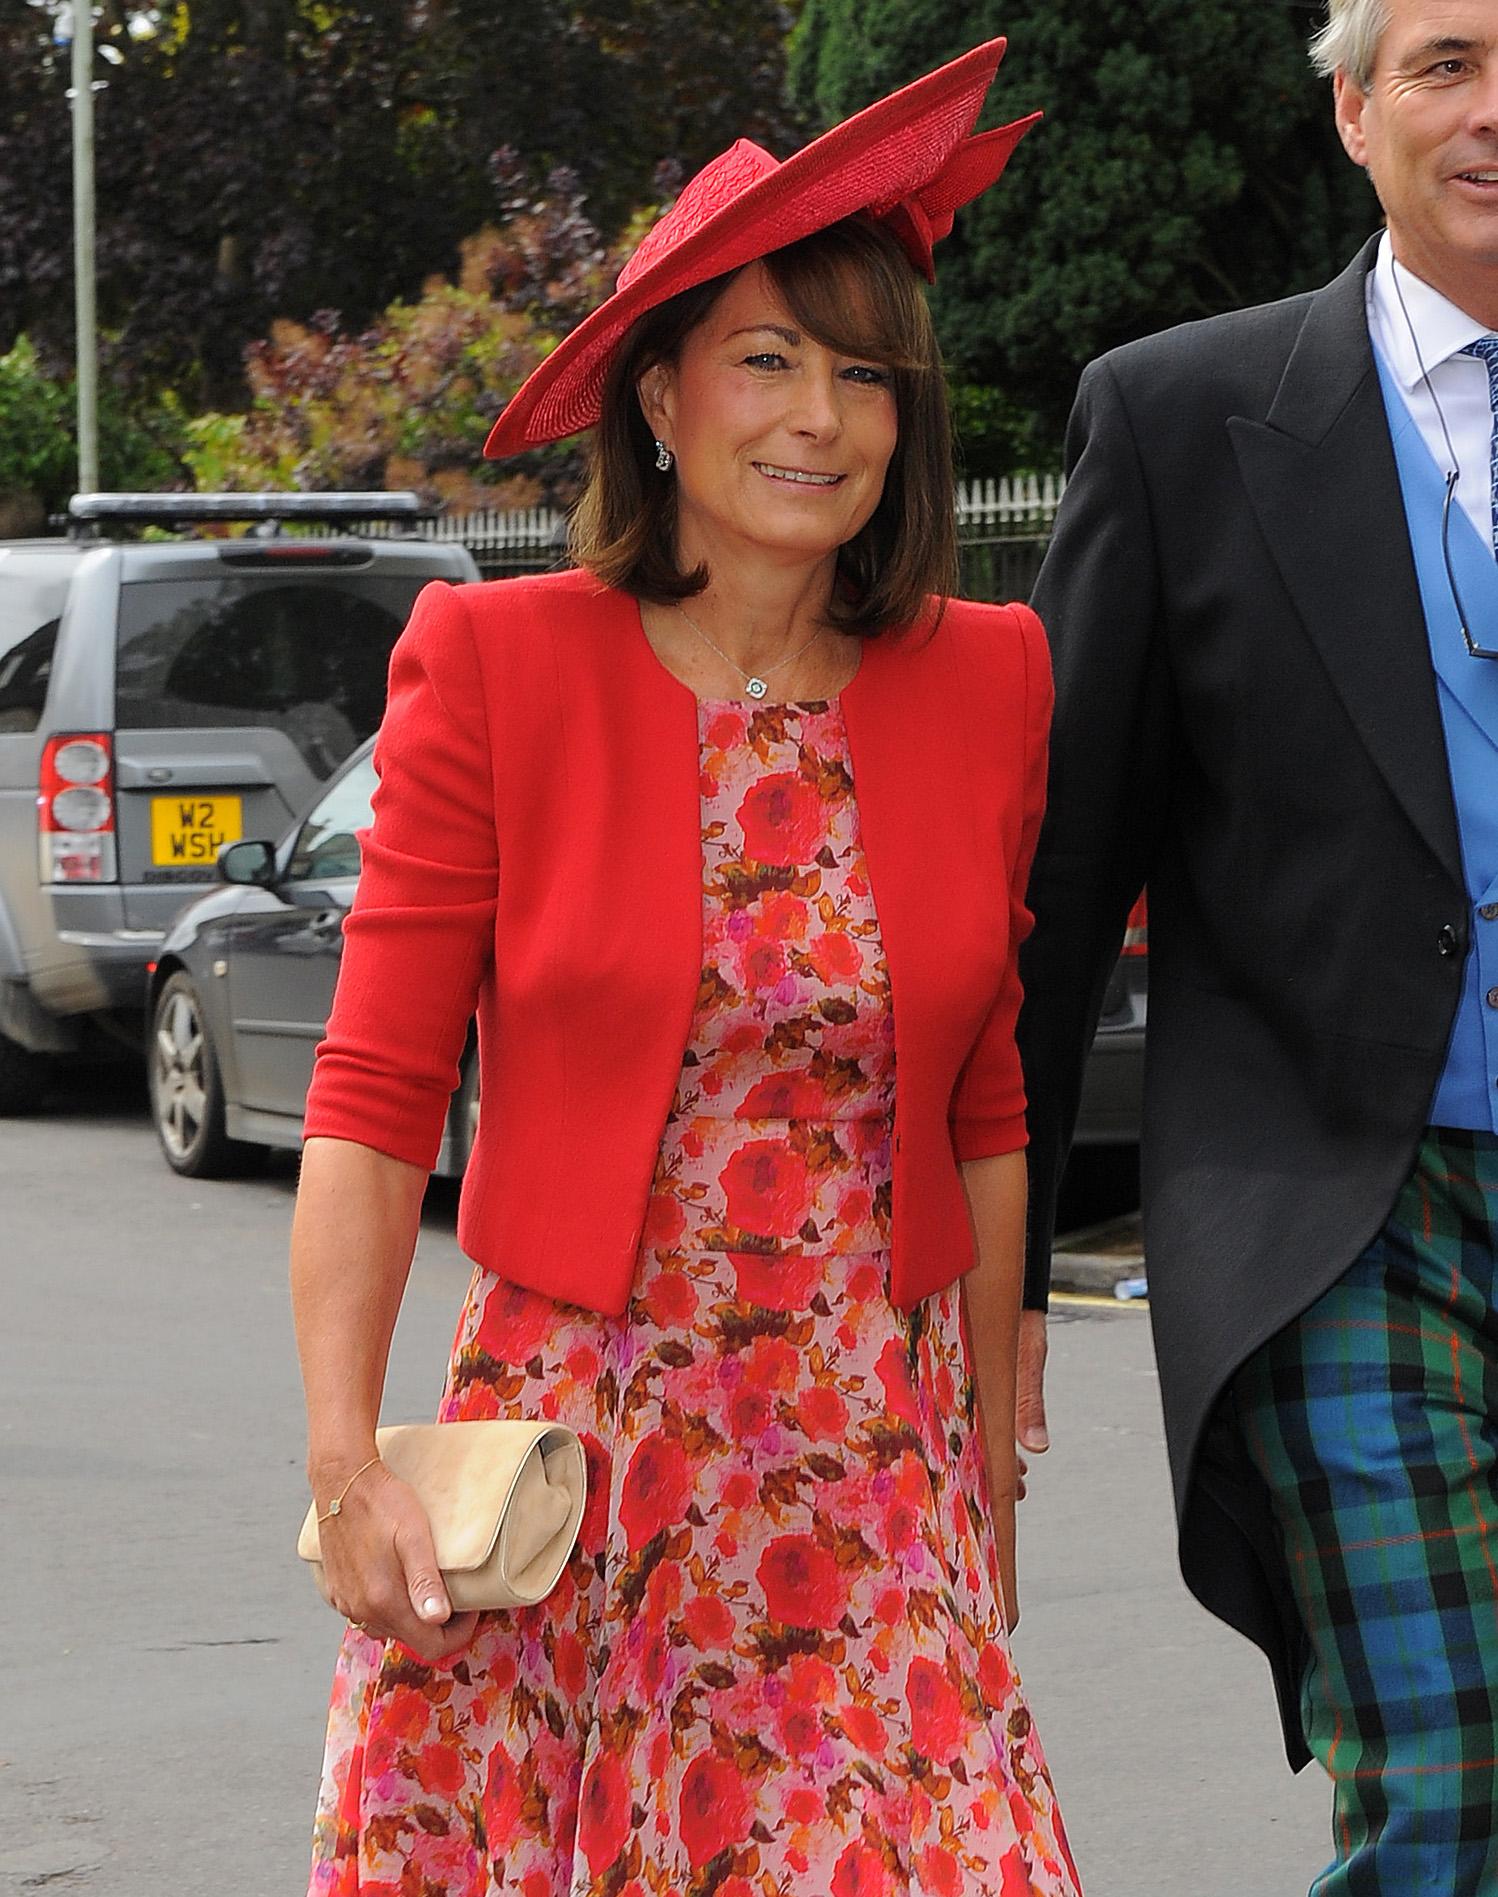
166	1661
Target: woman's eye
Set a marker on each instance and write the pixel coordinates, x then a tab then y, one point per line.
1450	68
867	373
766	359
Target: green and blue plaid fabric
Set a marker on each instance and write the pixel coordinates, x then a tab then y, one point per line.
1374	1421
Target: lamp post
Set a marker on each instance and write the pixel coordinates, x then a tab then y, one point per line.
85	299
85	291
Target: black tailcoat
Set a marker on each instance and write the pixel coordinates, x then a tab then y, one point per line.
1247	723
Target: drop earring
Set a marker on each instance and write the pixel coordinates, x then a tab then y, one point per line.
663	457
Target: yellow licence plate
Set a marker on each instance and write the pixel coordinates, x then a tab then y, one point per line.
189	832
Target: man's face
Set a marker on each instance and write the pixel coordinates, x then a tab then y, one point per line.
1427	131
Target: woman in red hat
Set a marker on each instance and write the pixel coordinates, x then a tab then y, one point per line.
723	836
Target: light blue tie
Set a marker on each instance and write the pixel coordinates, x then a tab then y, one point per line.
1486	351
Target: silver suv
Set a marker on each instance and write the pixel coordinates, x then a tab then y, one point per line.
160	698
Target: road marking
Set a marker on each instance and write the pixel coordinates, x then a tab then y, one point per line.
1101	1304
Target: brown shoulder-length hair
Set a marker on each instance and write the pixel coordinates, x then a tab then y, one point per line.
852	288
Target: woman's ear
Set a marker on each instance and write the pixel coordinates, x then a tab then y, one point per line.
654	390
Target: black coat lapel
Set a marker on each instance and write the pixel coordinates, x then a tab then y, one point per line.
1322	480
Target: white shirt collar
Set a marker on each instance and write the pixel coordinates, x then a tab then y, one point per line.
1443	329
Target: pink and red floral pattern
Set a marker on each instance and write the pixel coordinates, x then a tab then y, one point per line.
776	1663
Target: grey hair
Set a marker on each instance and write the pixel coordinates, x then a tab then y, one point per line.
1349	40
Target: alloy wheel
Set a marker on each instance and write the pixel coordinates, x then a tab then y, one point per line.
181	1081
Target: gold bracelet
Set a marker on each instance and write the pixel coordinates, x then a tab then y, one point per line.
335	1507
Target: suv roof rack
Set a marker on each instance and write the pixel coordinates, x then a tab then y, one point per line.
89	514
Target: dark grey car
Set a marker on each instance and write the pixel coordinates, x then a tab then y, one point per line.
242	989
158	699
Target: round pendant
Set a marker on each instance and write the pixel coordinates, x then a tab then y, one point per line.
756	687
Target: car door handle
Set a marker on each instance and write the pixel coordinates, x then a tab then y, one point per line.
233	770
327	925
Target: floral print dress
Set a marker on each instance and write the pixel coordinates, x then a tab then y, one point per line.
776	1665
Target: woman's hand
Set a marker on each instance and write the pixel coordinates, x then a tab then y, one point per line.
381	1567
352	1238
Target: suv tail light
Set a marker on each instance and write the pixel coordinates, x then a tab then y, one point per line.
1137	929
75	809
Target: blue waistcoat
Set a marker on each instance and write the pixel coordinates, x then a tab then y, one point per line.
1467	1093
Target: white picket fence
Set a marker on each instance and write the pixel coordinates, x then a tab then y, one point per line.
500	534
1019	509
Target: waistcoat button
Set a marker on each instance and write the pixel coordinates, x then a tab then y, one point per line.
1447	942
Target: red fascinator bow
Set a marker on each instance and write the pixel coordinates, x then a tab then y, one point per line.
909	160
926	216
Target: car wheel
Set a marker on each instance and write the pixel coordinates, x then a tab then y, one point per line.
23	1078
187	1095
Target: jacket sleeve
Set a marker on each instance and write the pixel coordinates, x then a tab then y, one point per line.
988	1109
420	935
1098	594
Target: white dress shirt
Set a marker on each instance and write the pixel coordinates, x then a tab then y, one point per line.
1460	382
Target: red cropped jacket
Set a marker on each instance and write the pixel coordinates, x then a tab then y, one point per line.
535	857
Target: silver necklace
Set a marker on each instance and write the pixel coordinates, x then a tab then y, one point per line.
754	682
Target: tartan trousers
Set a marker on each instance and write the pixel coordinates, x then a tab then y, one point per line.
1373	1421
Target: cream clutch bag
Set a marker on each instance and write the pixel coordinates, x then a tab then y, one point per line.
505	1501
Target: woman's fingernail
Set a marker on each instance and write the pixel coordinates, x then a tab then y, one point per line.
433	1608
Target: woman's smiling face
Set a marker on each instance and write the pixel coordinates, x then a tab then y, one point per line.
781	445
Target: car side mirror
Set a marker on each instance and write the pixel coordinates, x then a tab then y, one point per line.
252	863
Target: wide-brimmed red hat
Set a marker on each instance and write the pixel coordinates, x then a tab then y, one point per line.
908	160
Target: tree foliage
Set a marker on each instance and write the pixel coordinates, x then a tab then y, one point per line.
408	401
39	436
264	159
1187	164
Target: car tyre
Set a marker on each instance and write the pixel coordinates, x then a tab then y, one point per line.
187	1092
23	1078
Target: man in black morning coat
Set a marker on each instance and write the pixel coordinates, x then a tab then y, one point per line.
1274	711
